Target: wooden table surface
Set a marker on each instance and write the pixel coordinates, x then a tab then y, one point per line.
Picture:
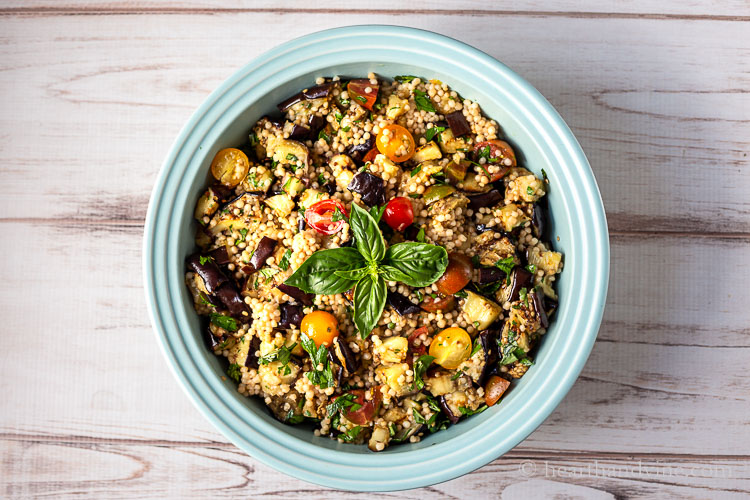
93	93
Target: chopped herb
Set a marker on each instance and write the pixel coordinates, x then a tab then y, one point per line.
360	98
282	355
544	175
243	233
204	300
226	322
284	262
205	259
468	411
321	179
420	367
431	132
413	195
476	347
322	135
423	102
293	419
489	288
529	191
531	268
419	296
391	429
341	403
291	157
404	78
226	343
346	129
461	294
457	374
338	117
438	421
253	139
416	170
420	235
318	356
345	102
506	265
268	273
378	105
523	295
234	372
434	295
391	325
351	434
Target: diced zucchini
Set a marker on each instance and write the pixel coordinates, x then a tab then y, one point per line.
288	152
512	216
491	249
396	107
471	184
282	204
380	436
293	186
255	182
451	144
238	354
233	223
435	193
456	172
206	205
440	383
429	151
527	187
481	311
389	375
546	260
309	197
394	349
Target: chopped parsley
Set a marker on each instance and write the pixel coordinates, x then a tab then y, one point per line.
351	434
420	368
457	374
404	78
467	411
544	175
322	135
234	372
529	190
253	138
506	265
284	262
341	403
477	346
413	195
432	132
243	233
291	157
321	179
416	170
337	216
524	296
203	259
423	102
420	235
461	294
346	129
338	117
531	268
293	419
226	322
205	300
319	356
282	355
268	273
360	98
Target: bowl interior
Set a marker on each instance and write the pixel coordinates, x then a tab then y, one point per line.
576	227
530	155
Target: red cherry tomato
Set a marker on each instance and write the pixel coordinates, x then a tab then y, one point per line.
366	410
498	153
370	156
399	213
457	275
321	216
358	92
418	349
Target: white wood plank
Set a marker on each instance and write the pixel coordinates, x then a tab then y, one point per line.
666	131
85	364
64	470
552	7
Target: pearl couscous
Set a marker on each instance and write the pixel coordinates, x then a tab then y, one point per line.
373	261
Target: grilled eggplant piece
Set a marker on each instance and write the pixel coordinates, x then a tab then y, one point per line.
291	315
342	355
446	409
233	301
297	294
490	275
537	302
220	255
458	123
262	252
209	272
299	133
358	151
519	278
401	304
252	353
312	93
488	199
488	341
370	187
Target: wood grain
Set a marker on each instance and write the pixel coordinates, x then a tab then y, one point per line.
66	470
94	92
669	151
554	8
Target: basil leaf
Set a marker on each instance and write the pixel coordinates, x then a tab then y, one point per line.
353	274
369	239
422	100
390	273
422	263
369	301
377	212
317	273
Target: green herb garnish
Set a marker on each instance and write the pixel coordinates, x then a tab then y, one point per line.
506	265
431	132
368	266
423	102
351	434
468	411
420	368
416	170
234	372
203	259
404	78
284	262
319	356
226	322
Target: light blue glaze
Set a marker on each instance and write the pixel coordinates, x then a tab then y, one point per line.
541	140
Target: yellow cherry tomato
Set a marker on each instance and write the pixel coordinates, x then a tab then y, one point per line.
451	347
321	327
230	166
396	143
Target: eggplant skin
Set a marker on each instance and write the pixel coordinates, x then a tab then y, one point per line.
443	404
488	199
458	123
520	278
370	187
291	315
488	341
209	272
252	360
490	274
537	302
220	255
233	301
358	151
312	93
401	304
296	294
263	251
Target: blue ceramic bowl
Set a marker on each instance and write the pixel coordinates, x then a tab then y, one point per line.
542	140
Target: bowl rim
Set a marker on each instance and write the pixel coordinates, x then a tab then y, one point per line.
333	468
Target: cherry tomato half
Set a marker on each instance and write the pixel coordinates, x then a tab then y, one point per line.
320	216
358	92
321	327
497	153
451	347
230	166
443	304
418	349
370	156
457	275
399	213
367	409
396	143
494	388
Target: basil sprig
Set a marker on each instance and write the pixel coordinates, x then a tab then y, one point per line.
367	267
